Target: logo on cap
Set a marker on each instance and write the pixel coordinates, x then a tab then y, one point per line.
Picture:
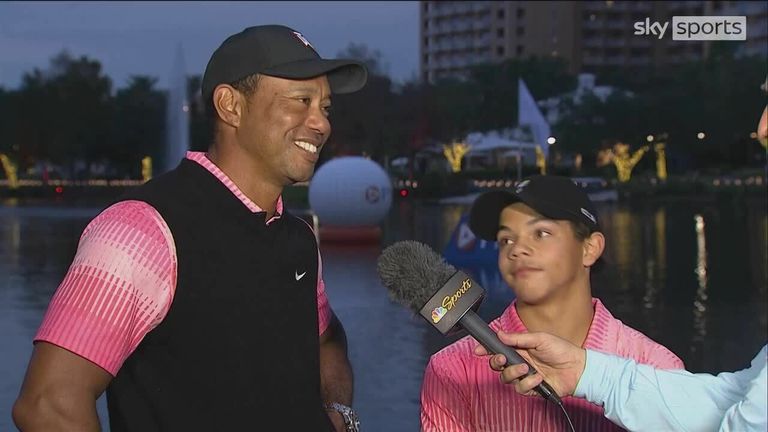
303	39
521	186
589	215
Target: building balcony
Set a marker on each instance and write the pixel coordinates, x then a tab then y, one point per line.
639	60
593	42
593	24
639	42
618	24
614	42
592	60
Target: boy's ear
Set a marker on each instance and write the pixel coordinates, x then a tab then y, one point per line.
594	246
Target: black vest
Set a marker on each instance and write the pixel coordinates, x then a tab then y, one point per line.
238	348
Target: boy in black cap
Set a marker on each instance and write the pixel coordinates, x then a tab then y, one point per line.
549	238
196	300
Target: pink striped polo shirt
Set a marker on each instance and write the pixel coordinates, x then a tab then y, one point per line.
121	282
461	392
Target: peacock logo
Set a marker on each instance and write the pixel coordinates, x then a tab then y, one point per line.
438	313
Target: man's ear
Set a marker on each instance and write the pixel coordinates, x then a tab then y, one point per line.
594	246
229	104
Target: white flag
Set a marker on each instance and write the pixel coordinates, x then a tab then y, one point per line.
528	113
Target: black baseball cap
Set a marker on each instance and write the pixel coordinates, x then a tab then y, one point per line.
278	51
554	197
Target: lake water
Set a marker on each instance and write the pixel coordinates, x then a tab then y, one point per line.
690	273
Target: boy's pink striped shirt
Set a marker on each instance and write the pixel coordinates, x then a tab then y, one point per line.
121	282
462	393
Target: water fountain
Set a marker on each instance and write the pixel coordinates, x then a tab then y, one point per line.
177	115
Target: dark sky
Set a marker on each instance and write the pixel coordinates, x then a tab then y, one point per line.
141	38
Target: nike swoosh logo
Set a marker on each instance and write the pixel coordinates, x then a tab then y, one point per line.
299	276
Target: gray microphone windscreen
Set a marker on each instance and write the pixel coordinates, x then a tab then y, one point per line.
412	272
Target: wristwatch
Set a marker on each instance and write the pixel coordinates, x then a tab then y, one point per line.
347	413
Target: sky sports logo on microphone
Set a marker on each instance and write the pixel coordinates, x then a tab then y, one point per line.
697	28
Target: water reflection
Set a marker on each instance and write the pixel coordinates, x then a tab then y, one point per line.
622	235
700	301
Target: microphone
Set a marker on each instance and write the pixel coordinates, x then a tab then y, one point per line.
420	279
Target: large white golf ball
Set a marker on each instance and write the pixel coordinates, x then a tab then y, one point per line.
350	191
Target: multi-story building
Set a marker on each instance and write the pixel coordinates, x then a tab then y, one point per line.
588	35
757	24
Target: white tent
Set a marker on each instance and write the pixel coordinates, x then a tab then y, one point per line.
499	150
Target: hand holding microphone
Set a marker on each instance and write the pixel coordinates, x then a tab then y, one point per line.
561	361
421	280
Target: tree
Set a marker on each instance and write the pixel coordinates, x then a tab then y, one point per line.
6	118
364	122
65	112
139	124
681	101
497	85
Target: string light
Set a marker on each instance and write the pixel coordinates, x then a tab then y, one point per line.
661	161
10	171
541	161
146	168
454	153
624	162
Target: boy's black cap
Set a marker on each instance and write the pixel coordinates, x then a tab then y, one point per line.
278	51
554	197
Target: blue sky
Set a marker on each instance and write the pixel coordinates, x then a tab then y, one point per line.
141	38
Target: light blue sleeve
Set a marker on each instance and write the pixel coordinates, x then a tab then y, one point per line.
751	413
642	398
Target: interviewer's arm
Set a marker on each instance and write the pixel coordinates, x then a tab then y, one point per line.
642	398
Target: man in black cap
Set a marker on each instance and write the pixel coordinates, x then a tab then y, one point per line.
197	301
549	239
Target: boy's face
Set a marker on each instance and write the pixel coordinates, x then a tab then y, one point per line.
540	258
